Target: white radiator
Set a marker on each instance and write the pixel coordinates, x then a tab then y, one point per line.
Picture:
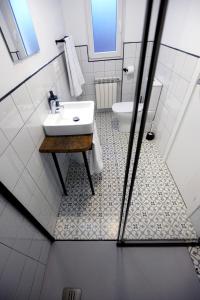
106	91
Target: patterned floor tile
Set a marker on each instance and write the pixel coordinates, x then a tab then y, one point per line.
157	210
195	256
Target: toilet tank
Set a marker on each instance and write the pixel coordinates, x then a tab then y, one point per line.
155	95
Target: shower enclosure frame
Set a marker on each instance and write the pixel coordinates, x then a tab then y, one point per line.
121	242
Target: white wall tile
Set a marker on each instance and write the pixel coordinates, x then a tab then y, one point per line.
181	89
110	73
37	87
10	119
26	280
128	88
45	186
165	135
25	189
23	145
130	50
99	74
10	168
174	70
2	204
25	132
127	97
24	237
4	255
35	248
35	165
23	102
118	65
10	222
164	74
189	67
118	74
138	48
149	49
87	67
35	128
99	66
11	275
172	105
179	62
109	65
174	80
61	63
155	94
21	275
129	62
78	53
83	53
45	252
89	78
62	88
170	58
4	142
37	284
90	89
57	68
36	204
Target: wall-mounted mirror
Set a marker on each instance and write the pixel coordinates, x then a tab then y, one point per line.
17	29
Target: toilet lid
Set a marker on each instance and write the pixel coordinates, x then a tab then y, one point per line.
125	107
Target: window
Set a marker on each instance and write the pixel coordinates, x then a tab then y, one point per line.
104	28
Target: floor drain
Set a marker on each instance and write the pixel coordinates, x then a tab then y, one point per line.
71	294
76	119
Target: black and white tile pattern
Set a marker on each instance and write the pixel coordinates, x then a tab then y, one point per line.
157	210
195	255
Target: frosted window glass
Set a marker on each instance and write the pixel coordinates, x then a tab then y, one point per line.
25	25
104	21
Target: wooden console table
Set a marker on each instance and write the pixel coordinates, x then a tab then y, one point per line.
68	144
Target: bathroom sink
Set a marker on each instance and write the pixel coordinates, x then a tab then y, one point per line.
74	118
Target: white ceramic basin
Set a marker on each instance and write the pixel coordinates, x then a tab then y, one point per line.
63	123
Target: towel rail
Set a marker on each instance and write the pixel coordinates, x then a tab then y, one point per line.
61	40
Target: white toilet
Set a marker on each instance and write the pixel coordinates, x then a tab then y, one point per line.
123	112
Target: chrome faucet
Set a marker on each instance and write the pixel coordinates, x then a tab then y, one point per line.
59	107
55	106
54	103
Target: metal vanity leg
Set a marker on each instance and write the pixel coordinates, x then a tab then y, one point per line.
88	172
59	173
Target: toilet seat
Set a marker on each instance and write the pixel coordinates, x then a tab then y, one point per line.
125	107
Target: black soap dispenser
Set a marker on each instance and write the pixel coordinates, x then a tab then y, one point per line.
53	97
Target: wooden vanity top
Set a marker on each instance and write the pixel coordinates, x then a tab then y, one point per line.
66	144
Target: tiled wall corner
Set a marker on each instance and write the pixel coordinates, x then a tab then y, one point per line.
111	68
31	176
174	70
97	69
23	255
131	58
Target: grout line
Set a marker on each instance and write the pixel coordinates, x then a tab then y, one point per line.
171	68
24	254
177	49
24	125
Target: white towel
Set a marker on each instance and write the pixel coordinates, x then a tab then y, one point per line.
94	156
76	79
